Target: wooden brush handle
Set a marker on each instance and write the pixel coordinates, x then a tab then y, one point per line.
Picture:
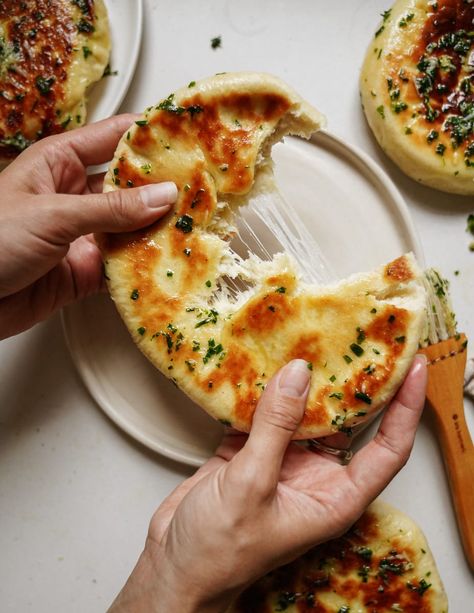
445	396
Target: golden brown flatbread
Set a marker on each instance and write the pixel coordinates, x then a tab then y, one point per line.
50	53
417	91
171	282
383	564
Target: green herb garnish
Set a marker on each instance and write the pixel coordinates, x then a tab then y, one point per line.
362	396
185	224
44	84
216	42
356	349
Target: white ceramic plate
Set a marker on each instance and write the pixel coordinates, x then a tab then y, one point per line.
356	215
126	19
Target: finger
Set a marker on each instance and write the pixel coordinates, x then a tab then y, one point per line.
276	419
94	143
118	211
378	462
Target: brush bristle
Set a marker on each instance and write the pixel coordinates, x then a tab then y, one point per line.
441	320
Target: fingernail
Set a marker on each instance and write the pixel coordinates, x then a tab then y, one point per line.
419	361
157	195
294	378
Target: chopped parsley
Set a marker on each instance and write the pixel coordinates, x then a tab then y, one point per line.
185	224
18	142
212	350
141	330
470	224
420	588
169	273
356	349
381	111
337	395
332	378
142	122
86	52
364	552
194	109
405	20
192	84
398	107
309	365
280	290
85	26
134	295
187	252
362	396
44	84
211	318
191	364
400	339
216	42
208	283
347	358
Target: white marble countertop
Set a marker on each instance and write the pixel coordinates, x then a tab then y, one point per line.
76	494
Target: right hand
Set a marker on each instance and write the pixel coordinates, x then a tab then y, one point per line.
262	501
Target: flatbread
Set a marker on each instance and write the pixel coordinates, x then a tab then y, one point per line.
50	53
382	564
170	282
417	91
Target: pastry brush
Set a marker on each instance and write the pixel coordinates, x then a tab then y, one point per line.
445	350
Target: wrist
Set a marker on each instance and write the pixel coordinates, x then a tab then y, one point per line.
155	586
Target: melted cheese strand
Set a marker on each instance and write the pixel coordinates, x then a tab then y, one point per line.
287	229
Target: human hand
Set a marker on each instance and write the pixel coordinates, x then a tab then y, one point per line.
48	209
262	501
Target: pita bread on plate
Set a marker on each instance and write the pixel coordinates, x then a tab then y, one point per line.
170	282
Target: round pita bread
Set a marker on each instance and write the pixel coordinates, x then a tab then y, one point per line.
383	563
170	282
417	91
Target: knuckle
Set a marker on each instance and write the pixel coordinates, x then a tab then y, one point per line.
119	206
283	413
398	451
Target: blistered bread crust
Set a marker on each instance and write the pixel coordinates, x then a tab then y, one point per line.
383	563
417	92
358	336
51	52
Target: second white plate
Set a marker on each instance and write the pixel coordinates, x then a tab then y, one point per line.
126	20
356	215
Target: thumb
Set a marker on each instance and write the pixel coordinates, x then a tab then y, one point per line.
122	210
276	419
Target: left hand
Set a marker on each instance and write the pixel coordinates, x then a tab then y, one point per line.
262	501
48	210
